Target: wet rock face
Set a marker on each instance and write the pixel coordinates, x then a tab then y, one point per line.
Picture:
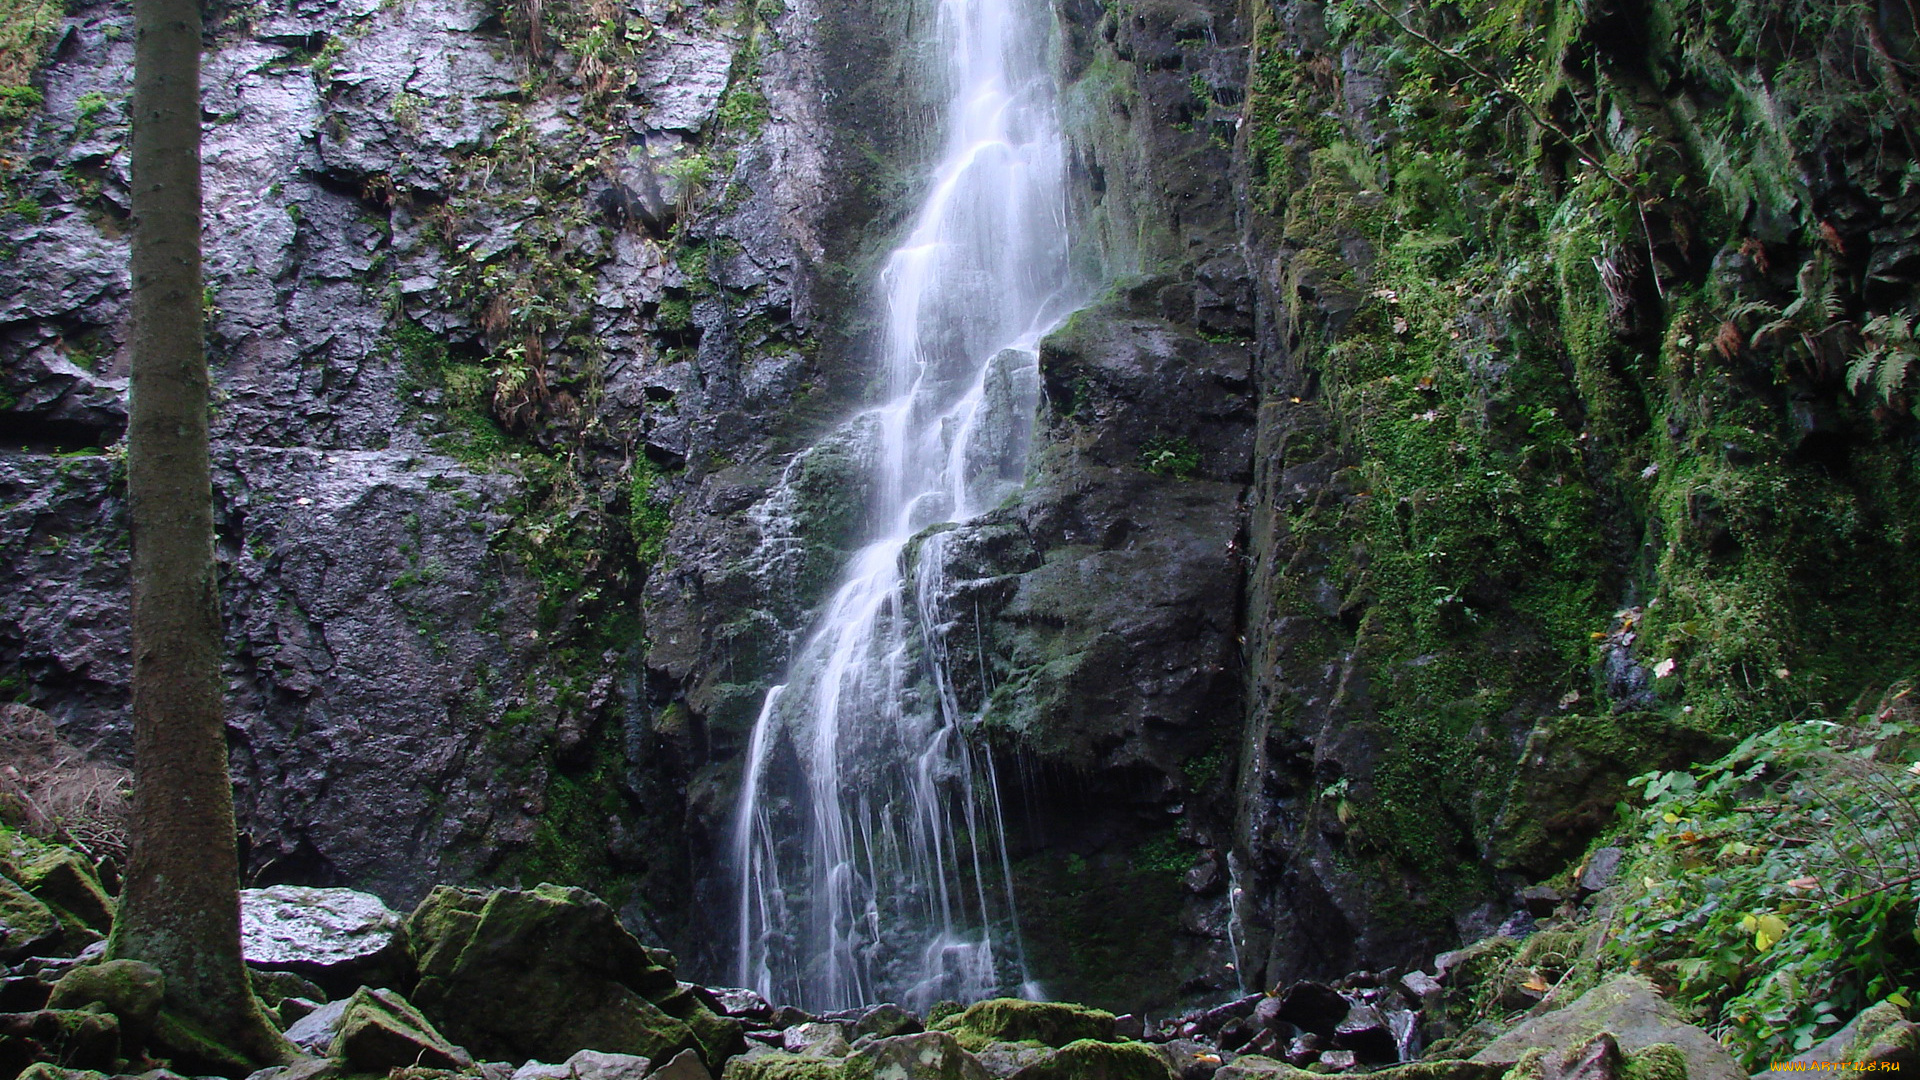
380	180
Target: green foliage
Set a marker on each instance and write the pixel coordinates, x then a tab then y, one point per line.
1776	886
1176	456
26	29
1889	354
647	520
91	106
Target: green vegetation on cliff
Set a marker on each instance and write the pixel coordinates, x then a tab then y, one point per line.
1574	290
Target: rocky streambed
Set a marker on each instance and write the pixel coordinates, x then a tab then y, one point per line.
546	984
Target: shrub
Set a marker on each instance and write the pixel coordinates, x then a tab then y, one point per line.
50	789
1777	888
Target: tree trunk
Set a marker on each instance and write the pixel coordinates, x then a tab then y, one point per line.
180	908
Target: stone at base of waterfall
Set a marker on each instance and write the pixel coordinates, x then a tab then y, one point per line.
1256	1067
1003	1059
379	1031
592	1065
741	1002
66	882
930	1055
540	974
886	1021
1090	1059
1017	1020
314	1032
1191	1060
821	1038
337	937
1629	1009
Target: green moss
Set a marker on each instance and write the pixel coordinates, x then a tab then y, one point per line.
1093	1060
1175	456
1661	1061
1054	1024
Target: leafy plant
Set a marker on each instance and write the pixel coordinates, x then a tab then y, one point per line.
1890	352
1778	889
1164	456
1805	326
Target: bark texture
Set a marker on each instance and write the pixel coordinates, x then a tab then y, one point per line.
180	909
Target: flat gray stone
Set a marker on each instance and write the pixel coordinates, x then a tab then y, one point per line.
1627	1008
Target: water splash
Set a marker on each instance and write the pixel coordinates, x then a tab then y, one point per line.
871	853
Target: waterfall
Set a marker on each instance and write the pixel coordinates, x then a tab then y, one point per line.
871	854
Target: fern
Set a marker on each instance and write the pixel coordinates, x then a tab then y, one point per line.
1889	353
1807	325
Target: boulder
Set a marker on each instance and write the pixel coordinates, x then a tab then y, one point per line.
1601	866
314	1032
741	1002
1627	1008
1313	1006
543	973
41	1070
23	993
1366	1034
1253	1067
933	1055
930	1055
822	1038
339	938
1003	1059
1090	1059
886	1021
540	1070
1016	1020
25	922
596	1065
69	1038
380	1031
274	987
1191	1060
1880	1033
128	989
63	880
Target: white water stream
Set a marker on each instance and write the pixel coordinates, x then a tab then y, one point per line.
872	862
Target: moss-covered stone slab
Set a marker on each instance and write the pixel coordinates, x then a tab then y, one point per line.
380	1030
546	972
1090	1059
1628	1008
24	921
1015	1020
931	1055
62	879
69	1038
128	989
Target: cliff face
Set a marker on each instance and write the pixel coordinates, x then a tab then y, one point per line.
1468	428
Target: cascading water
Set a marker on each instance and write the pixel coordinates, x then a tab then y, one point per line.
871	854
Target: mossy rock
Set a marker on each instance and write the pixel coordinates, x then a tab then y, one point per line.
1015	1020
1627	1008
931	1055
194	1050
380	1031
70	1038
720	1037
128	989
1879	1033
41	1070
24	921
1661	1061
64	880
545	972
781	1065
1255	1067
1093	1059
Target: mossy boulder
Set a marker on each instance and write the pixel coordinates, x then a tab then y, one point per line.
128	989
70	1038
1879	1033
60	878
41	1070
931	1055
545	972
1093	1059
1014	1020
1256	1067
380	1031
24	921
1629	1009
